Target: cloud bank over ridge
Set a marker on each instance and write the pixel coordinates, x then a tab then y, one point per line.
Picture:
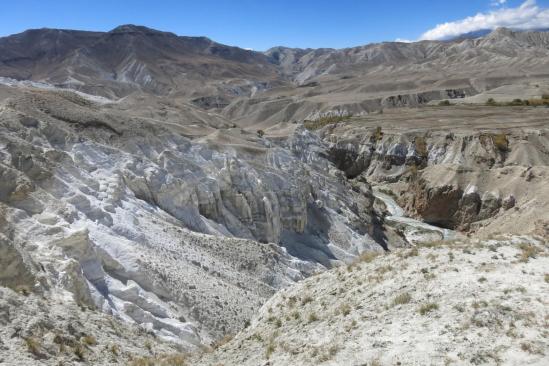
527	16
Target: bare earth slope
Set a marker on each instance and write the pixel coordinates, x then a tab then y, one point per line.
465	303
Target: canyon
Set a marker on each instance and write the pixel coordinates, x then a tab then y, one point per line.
160	195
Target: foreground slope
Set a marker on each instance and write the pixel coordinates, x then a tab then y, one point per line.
469	302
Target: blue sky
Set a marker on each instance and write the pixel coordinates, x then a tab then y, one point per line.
262	24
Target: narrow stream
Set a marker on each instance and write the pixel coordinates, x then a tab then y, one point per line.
414	230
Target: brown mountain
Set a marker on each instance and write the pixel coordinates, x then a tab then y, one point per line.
131	58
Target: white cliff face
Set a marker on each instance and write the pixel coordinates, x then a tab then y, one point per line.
462	178
186	238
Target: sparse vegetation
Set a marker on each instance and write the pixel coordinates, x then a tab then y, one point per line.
178	359
79	351
427	308
312	318
115	350
491	102
89	340
345	309
223	341
534	102
148	346
378	134
367	257
307	299
444	103
430	244
414	252
324	121
528	251
402	299
23	290
33	345
269	350
500	141
421	146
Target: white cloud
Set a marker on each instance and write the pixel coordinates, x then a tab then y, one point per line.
498	2
402	40
527	16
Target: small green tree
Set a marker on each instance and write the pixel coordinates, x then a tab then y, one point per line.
491	102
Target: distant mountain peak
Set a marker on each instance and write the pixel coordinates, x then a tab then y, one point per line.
137	29
501	31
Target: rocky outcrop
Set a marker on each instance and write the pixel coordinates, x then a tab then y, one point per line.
48	330
452	207
449	179
186	238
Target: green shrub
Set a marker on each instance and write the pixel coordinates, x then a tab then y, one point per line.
444	103
518	102
491	102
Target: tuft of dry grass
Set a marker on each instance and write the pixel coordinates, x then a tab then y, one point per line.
527	251
427	308
421	146
500	142
23	290
223	341
79	351
307	299
115	349
378	134
312	318
269	350
89	340
402	299
414	252
33	345
345	309
367	257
